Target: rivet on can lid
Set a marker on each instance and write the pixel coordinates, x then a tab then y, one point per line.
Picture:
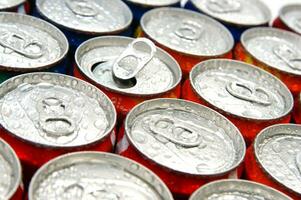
290	15
8	4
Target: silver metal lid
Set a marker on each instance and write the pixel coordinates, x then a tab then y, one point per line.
174	132
28	43
290	15
160	72
96	176
187	32
237	190
8	4
237	12
155	3
277	48
55	110
278	151
87	16
10	171
240	89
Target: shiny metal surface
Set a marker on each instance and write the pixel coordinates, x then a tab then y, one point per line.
290	15
7	4
154	3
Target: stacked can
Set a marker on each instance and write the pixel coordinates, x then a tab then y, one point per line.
289	18
29	44
236	15
188	36
20	6
186	144
92	175
248	96
129	71
44	115
11	187
274	159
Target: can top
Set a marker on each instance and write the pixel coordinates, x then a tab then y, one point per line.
276	48
28	43
174	132
278	151
159	74
87	16
8	4
187	32
155	3
237	189
236	12
10	171
95	175
55	110
290	15
241	90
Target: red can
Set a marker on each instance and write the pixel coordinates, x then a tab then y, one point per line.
20	6
44	115
188	36
274	50
249	97
186	144
128	71
11	187
297	110
274	159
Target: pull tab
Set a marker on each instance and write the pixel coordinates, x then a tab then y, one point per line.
189	31
83	8
133	59
247	93
288	55
224	6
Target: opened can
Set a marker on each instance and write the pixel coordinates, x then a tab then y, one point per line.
248	96
188	36
20	6
274	159
186	144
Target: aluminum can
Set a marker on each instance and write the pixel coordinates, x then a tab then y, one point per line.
28	44
94	175
248	96
151	71
11	187
20	6
274	50
188	36
297	110
186	144
274	159
44	115
236	15
237	189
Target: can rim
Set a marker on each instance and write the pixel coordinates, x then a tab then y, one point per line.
288	8
208	19
227	113
42	169
151	4
233	167
15	5
104	136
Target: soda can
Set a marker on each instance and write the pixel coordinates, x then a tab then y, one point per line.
11	187
236	15
289	18
297	110
274	159
188	36
149	71
249	97
94	175
20	6
186	144
81	20
44	115
237	189
29	44
274	50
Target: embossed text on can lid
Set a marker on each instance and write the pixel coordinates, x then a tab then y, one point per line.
28	43
8	4
278	151
10	171
237	12
96	57
240	89
87	16
55	110
290	15
237	189
94	175
155	3
276	48
187	32
174	132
